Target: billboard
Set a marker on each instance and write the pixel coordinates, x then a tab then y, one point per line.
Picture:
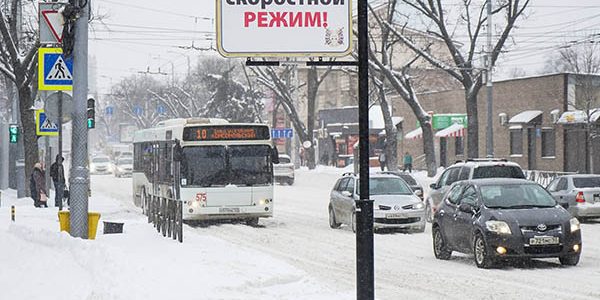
250	28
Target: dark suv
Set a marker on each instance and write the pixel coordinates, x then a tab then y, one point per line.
500	219
469	169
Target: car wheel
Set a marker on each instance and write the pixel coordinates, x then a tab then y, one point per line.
482	258
353	222
569	260
332	222
252	222
290	181
439	246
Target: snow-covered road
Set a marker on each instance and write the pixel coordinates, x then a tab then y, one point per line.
294	255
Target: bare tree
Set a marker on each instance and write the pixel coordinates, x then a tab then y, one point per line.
583	59
275	81
380	56
18	63
444	25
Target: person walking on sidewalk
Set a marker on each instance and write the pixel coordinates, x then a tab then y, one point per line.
408	160
382	160
57	172
37	186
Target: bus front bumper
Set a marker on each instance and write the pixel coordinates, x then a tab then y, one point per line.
227	213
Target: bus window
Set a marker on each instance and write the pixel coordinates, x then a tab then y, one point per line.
250	165
204	166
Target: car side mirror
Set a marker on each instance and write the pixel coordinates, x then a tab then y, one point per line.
346	194
466	208
565	205
418	193
434	186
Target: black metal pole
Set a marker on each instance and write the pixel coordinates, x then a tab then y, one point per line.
365	274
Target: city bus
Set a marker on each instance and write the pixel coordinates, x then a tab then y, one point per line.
225	169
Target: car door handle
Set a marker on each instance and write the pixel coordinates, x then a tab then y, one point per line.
442	212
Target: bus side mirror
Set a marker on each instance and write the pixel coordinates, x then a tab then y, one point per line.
275	155
177	151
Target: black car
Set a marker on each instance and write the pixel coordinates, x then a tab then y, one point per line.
499	219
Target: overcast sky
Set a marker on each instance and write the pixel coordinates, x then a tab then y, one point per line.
140	35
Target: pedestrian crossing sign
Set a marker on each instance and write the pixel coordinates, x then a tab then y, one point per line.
43	126
55	73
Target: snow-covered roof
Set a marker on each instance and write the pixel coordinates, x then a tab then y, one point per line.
415	134
579	116
454	130
525	117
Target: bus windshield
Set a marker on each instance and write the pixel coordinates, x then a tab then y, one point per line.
219	166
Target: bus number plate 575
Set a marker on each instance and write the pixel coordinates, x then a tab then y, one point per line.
201	197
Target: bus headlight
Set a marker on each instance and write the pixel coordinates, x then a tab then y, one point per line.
264	201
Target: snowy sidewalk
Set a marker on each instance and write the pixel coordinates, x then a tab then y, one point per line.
39	262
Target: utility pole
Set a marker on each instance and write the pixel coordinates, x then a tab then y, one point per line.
20	152
79	171
490	100
365	255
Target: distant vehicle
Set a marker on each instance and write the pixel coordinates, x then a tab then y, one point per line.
500	219
580	192
101	164
226	169
410	180
125	154
395	205
123	166
469	169
284	170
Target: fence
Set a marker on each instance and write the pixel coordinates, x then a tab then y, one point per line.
166	214
544	177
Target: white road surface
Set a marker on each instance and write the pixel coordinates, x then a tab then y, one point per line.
294	255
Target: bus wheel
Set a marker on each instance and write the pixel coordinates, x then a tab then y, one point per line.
252	222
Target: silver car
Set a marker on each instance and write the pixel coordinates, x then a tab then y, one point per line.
284	170
395	205
581	193
123	167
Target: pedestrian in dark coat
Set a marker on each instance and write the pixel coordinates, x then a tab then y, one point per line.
57	172
37	186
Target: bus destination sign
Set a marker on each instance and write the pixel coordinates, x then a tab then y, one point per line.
226	133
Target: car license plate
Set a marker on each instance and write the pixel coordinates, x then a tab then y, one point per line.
395	216
229	209
543	240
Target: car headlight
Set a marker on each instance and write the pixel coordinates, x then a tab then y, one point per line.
419	205
575	225
499	227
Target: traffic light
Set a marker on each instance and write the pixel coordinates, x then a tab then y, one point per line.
13	130
91	113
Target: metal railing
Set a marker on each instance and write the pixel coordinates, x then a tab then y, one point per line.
166	214
544	177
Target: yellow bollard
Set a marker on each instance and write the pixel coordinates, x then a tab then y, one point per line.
93	218
12	213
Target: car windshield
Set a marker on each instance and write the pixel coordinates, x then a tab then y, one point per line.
586	182
498	172
516	196
126	161
100	160
284	160
409	179
387	186
219	166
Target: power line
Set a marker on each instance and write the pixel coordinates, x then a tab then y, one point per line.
158	10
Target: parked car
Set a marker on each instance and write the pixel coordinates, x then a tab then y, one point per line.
284	170
410	180
466	170
395	205
580	192
101	165
500	219
124	167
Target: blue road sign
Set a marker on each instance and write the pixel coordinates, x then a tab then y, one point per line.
55	72
108	111
44	127
138	111
282	133
161	110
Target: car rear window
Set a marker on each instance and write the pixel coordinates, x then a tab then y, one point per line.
498	172
284	160
586	182
408	179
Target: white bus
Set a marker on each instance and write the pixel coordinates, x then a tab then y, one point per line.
226	169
